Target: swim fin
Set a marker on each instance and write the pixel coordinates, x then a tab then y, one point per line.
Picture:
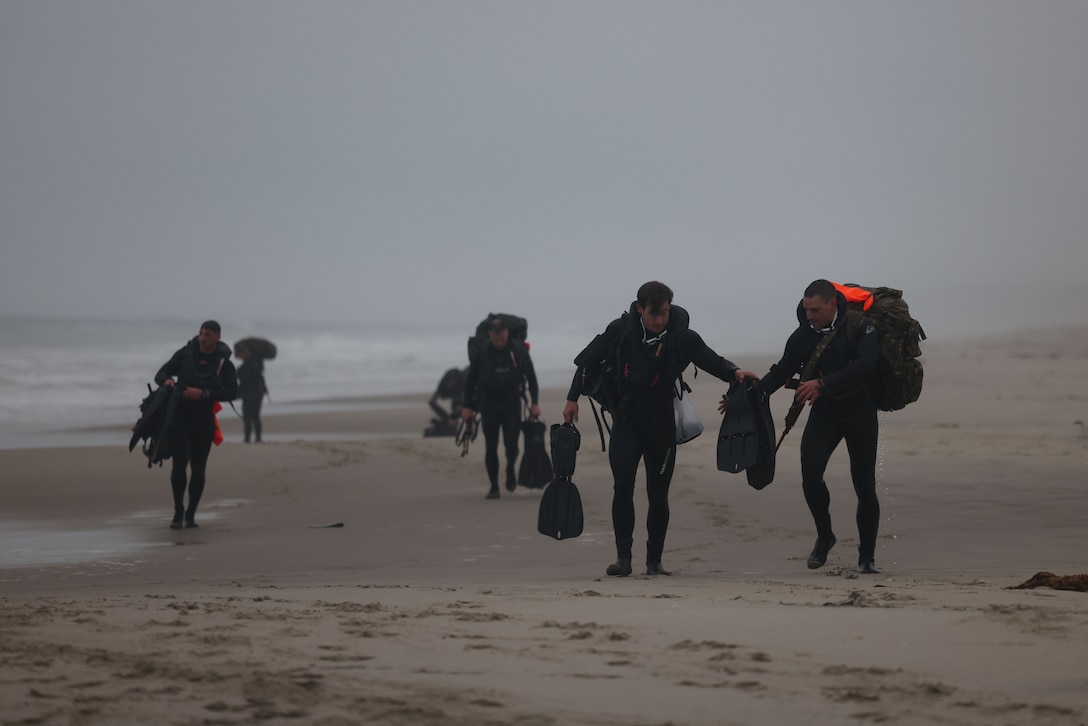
152	409
535	470
153	427
761	473
738	438
560	513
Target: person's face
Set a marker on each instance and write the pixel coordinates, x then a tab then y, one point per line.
654	322
499	338
819	312
207	340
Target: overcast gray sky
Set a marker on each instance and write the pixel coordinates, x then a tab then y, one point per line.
400	161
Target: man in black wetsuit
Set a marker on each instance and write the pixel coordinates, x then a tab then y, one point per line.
204	375
652	345
494	388
838	391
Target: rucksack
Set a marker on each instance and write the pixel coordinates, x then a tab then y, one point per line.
518	327
898	371
601	382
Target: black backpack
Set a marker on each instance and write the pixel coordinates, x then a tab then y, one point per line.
518	327
601	383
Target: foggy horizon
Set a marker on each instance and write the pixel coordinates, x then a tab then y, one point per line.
408	164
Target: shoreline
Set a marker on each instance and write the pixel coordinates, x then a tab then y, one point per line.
431	605
1020	343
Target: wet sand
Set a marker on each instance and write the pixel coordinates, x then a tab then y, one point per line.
432	606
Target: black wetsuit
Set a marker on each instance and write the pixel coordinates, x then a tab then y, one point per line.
193	426
494	388
644	428
451	387
251	389
844	410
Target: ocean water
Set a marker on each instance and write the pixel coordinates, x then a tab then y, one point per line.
68	374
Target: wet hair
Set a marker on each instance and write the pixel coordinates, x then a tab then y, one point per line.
211	325
654	295
822	289
497	325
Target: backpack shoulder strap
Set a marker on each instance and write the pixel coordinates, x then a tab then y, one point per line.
810	367
854	320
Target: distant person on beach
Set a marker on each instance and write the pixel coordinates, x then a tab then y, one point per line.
204	374
451	387
251	389
495	387
838	392
650	345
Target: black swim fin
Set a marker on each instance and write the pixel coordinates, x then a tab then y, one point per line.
161	449
152	409
739	439
535	470
560	514
761	473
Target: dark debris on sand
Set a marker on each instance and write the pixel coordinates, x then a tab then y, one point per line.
1078	583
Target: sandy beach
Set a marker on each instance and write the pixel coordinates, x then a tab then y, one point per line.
348	570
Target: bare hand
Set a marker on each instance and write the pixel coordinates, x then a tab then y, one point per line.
467	414
808	391
570	412
745	376
192	394
534	411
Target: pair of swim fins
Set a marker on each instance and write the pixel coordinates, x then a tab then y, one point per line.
560	515
746	439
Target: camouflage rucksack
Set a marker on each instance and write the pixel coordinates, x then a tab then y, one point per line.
899	372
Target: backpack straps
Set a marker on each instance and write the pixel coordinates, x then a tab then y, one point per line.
795	409
810	367
854	320
599	419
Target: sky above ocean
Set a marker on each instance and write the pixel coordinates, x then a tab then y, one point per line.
421	163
